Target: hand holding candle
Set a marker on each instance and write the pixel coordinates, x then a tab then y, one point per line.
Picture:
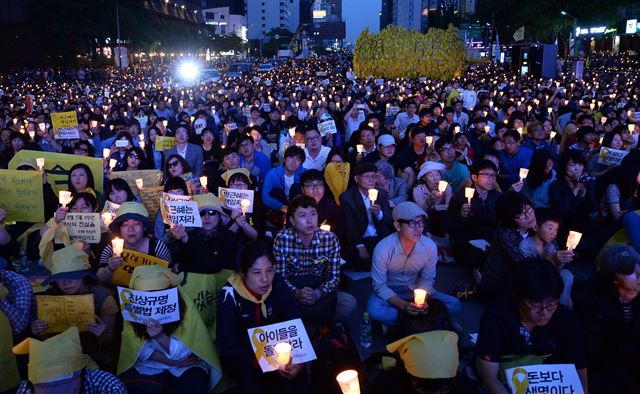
106	152
373	195
573	240
244	205
359	148
523	174
429	140
442	186
64	197
117	244
325	227
107	218
283	353
112	163
40	163
468	193
204	181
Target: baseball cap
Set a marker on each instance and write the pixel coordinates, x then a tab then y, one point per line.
407	210
386	140
619	259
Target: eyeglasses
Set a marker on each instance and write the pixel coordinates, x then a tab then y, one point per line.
209	212
489	175
173	164
414	223
314	186
528	211
314	138
371	177
538	309
246	145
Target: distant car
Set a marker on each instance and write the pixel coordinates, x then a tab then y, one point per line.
209	75
263	68
237	69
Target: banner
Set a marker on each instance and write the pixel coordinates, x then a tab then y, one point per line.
544	378
132	259
263	339
57	166
21	195
519	34
62	312
230	198
65	125
138	306
611	157
150	197
165	143
83	227
327	127
149	178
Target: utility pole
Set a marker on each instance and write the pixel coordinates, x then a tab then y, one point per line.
118	33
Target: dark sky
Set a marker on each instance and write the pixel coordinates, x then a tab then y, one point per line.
359	14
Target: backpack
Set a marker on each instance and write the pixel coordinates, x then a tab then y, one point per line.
336	352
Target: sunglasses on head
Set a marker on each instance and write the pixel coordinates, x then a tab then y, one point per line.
173	164
209	212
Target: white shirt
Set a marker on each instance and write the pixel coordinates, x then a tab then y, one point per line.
469	98
288	182
403	120
177	351
352	125
371	227
319	162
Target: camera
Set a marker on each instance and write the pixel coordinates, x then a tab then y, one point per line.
584	178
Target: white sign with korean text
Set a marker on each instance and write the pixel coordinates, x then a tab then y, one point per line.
544	378
230	198
264	339
610	156
327	127
83	227
392	110
138	306
180	210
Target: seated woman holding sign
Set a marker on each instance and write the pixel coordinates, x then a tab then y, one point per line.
71	275
133	231
255	297
252	224
530	327
173	357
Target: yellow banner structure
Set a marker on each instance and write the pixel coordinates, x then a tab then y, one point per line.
398	53
21	195
149	178
57	166
132	259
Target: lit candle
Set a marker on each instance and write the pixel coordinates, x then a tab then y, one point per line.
32	134
631	127
603	120
429	140
519	129
64	197
244	205
112	163
359	148
552	135
165	123
549	110
141	144
456	129
373	195
140	183
40	163
573	239
106	152
487	128
42	126
523	173
442	186
141	137
117	244
468	193
292	132
283	353
325	227
107	218
348	381
419	297
203	181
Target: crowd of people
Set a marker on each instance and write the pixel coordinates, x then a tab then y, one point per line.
492	172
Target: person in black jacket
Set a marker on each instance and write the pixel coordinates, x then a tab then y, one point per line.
255	296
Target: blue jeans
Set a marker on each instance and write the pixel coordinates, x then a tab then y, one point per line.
382	311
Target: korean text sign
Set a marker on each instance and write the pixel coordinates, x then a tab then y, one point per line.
21	195
231	198
83	227
65	125
132	259
62	312
264	339
138	306
544	378
180	211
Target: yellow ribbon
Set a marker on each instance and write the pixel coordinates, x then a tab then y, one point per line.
259	345
521	386
124	302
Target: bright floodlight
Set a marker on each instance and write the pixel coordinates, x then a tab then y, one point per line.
188	71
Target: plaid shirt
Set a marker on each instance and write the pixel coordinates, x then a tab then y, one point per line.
93	382
321	258
17	304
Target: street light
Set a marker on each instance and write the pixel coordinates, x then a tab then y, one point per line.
575	22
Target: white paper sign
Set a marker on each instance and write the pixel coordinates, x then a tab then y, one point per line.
256	79
321	73
230	198
180	210
199	125
325	81
67	133
379	82
544	378
610	156
327	127
393	111
83	227
246	112
263	339
480	244
143	121
138	306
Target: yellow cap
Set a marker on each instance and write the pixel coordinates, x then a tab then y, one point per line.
227	174
429	355
69	262
208	200
55	357
152	278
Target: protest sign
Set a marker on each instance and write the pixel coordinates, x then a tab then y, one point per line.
611	157
57	166
392	110
165	143
544	378
122	275
199	125
230	198
379	82
150	197
110	207
327	127
182	212
83	227
149	178
143	120
65	125
21	195
321	73
138	306
62	312
246	112
263	339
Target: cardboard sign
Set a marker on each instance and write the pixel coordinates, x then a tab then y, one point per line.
132	259
149	178
199	125
230	198
544	378
21	195
83	227
180	210
263	339
138	306
62	312
57	166
65	125
327	127
611	157
165	143
150	197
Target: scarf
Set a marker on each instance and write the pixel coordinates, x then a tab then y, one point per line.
238	284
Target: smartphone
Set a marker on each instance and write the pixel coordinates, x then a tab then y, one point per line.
122	143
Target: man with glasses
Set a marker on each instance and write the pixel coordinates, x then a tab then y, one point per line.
402	262
512	159
456	173
316	153
257	163
329	212
192	153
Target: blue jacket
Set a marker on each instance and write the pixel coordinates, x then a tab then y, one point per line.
510	165
529	144
261	165
275	180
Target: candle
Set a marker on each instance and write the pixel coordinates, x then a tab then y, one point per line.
32	134
203	181
139	183
40	163
112	163
603	120
64	197
549	110
519	129
573	239
419	297
283	353
487	128
359	148
631	127
325	227
244	205
117	244
141	137
552	135
468	193
523	173
348	381
107	218
442	186
106	152
292	132
165	123
141	144
42	126
601	139
456	129
373	195
429	140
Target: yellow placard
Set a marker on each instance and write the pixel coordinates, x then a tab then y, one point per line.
57	166
61	120
21	195
150	197
164	143
149	178
62	312
132	259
